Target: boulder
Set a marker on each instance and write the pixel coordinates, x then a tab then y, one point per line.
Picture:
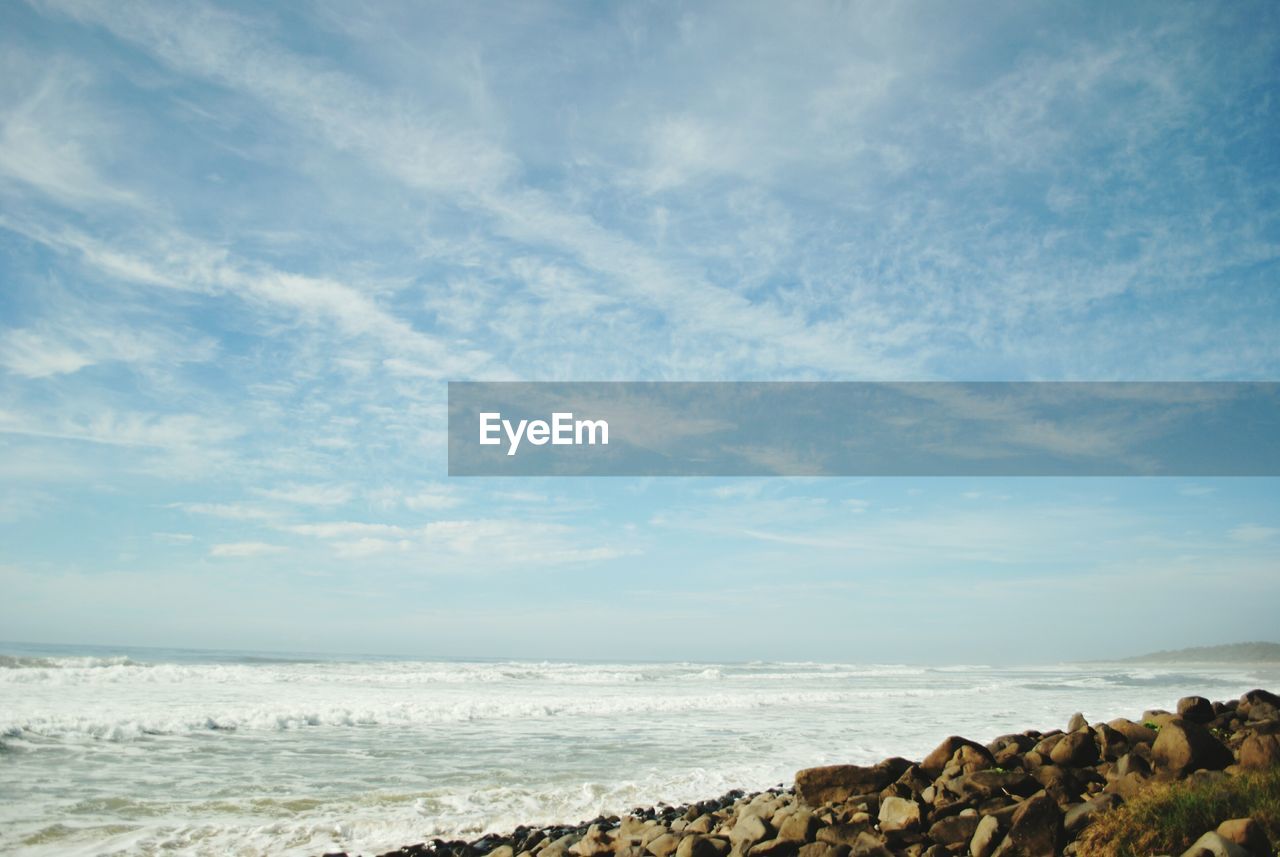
661	846
1260	752
869	845
1134	733
842	834
748	830
799	826
1082	815
818	849
702	846
1214	845
981	785
936	761
1076	749
956	830
899	814
838	783
1035	830
984	837
1183	747
1197	709
1246	833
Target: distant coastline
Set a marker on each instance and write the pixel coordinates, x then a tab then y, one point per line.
1230	653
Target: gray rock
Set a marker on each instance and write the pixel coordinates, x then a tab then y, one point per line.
1214	845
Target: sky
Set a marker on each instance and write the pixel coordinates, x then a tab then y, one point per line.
243	247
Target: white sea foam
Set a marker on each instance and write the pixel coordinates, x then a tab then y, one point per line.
144	753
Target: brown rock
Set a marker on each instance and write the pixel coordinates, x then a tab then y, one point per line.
1134	733
1076	749
1260	752
1035	830
842	834
984	837
956	830
702	846
818	849
1183	747
935	762
869	845
798	827
838	783
748	830
898	813
663	846
1246	833
1197	709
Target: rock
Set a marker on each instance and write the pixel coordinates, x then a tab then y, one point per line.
984	837
773	848
594	843
1213	845
956	830
1111	742
1075	749
798	827
1082	815
898	813
1131	763
560	847
838	783
981	785
702	846
1134	733
1183	747
661	846
1259	752
1197	709
843	834
1246	833
503	851
1128	786
701	824
1035	830
869	845
936	761
818	849
1076	722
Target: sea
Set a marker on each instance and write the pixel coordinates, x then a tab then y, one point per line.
154	751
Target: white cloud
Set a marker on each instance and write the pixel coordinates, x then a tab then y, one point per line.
1253	533
308	495
244	550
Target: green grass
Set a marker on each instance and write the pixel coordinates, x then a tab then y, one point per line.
1166	819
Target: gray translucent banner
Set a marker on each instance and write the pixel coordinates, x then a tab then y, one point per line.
864	429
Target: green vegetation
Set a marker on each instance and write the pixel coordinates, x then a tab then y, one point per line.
1166	819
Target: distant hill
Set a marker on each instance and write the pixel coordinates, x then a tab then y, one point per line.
1231	653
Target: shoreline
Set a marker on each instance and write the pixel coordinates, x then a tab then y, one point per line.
1033	793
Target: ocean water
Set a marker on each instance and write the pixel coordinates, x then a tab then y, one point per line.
176	752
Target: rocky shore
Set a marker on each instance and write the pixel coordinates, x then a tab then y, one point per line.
1032	793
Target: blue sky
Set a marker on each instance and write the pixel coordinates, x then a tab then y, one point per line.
243	248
